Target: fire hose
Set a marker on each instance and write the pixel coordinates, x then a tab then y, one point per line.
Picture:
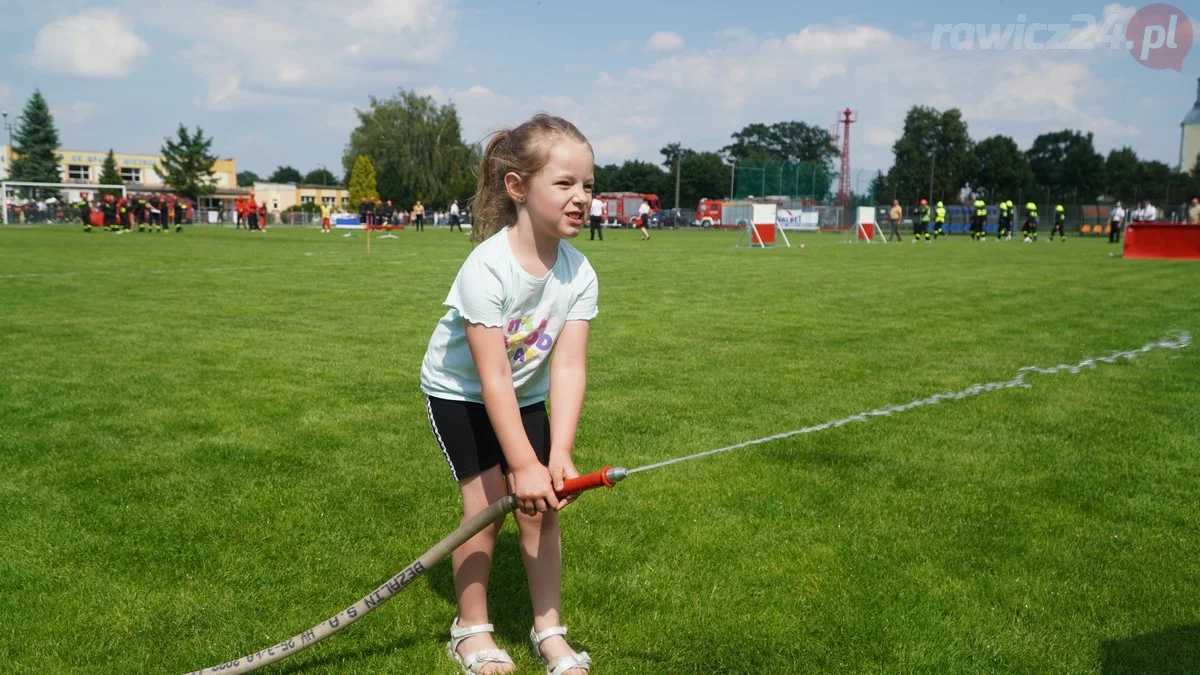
606	477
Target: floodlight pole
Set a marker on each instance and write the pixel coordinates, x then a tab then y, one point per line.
678	155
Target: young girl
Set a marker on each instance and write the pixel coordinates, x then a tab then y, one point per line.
522	295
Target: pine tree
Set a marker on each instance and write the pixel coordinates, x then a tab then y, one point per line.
187	164
110	175
362	180
35	141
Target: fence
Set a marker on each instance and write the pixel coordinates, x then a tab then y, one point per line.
763	177
1081	219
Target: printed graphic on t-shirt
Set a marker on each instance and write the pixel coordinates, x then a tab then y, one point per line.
523	342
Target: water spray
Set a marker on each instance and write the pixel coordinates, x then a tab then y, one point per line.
608	477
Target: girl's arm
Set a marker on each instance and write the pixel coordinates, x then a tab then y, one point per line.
531	481
568	381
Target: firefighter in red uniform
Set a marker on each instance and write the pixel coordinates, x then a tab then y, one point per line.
251	213
262	217
168	209
123	212
110	213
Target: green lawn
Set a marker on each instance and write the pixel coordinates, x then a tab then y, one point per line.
212	441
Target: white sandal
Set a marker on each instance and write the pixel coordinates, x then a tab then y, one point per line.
562	664
473	663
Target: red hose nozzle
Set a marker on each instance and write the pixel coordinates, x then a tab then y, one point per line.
606	477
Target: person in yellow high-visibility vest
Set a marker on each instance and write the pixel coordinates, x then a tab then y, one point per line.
1060	221
939	220
326	211
1004	226
1029	229
921	228
979	223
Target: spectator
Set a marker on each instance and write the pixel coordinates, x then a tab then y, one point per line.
1194	212
595	217
894	216
644	219
1114	225
1149	213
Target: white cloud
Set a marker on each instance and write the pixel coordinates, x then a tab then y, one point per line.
78	112
92	43
664	41
643	122
881	137
616	147
254	54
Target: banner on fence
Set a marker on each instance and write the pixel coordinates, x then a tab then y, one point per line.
797	219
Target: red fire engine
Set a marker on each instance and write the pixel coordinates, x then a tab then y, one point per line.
721	213
622	207
725	213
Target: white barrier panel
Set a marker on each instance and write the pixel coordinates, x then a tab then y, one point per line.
787	219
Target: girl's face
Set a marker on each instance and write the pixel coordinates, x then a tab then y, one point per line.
557	197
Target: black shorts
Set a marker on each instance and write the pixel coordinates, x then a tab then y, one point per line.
465	435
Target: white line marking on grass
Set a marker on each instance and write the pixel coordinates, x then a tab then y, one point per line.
1177	339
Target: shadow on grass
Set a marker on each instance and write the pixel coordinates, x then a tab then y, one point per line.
1174	650
509	607
508	592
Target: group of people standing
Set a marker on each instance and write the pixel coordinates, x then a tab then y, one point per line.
374	212
932	220
148	212
598	213
250	213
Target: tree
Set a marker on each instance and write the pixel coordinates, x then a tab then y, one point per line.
702	174
1001	170
879	191
1121	172
187	164
638	176
286	174
35	142
673	151
1065	164
783	141
606	177
247	179
362	181
933	142
110	175
415	146
321	176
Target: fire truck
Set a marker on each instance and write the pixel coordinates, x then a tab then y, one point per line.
723	213
622	207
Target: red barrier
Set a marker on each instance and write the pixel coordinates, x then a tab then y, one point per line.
1162	240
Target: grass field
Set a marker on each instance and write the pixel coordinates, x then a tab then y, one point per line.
215	440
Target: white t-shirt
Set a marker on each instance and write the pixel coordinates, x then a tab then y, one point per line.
1118	214
643	209
492	289
1150	213
597	208
454	209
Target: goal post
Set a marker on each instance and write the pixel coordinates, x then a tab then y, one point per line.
79	187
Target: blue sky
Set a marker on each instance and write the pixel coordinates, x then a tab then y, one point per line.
276	83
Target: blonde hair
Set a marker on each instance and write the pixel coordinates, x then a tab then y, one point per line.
522	150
